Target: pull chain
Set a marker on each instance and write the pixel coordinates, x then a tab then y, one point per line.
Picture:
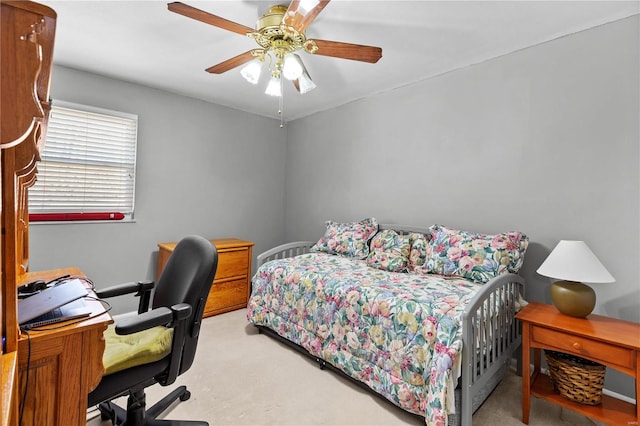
281	106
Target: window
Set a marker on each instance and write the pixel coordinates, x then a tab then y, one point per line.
87	169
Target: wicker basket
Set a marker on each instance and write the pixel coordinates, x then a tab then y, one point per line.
575	378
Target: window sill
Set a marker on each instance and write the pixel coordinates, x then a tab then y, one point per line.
79	222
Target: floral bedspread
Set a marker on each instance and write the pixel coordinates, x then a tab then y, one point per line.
399	333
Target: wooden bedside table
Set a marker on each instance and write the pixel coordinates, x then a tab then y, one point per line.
231	285
612	342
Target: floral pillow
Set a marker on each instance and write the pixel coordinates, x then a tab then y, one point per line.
418	251
389	251
347	239
474	256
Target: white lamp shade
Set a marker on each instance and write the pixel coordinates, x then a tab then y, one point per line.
574	261
251	71
304	84
292	67
273	88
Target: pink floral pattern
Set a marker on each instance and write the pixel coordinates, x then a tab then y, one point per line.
478	257
347	239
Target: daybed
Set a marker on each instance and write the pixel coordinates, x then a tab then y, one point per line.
409	312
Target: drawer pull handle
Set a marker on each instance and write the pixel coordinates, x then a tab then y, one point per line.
577	346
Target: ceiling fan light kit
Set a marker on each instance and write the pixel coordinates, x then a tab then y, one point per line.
279	42
280	33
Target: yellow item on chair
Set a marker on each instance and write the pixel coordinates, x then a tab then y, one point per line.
126	351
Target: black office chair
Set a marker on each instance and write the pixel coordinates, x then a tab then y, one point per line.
178	302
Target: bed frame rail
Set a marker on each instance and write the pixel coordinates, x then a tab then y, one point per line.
285	250
490	336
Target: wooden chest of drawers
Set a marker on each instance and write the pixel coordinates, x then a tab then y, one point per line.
230	290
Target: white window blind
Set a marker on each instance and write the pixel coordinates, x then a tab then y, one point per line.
88	162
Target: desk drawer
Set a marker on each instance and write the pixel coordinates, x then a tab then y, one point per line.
582	346
232	264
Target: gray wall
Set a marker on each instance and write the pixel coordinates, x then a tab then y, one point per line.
544	141
201	169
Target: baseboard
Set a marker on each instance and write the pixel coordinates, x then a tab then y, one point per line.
618	396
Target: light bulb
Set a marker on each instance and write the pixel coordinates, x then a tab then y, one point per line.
292	69
251	72
305	84
273	88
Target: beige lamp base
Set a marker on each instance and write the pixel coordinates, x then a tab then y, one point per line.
573	298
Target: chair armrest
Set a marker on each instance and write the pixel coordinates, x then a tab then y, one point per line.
125	288
155	317
181	311
117	290
141	288
144	321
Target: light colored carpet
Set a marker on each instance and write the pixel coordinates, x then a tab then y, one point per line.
241	377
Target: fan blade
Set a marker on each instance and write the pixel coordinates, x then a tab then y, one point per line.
356	52
208	18
232	63
302	12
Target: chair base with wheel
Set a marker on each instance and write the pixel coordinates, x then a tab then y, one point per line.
137	413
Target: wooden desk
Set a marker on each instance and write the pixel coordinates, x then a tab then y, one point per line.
64	364
612	342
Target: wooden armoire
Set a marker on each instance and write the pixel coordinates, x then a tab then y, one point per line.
26	51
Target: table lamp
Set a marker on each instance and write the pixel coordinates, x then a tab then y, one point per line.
572	262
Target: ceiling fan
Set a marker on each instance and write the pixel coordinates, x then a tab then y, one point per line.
280	33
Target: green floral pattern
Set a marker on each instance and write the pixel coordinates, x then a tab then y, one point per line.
389	251
397	333
478	257
347	239
418	252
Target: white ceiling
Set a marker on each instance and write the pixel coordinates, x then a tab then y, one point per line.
142	42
